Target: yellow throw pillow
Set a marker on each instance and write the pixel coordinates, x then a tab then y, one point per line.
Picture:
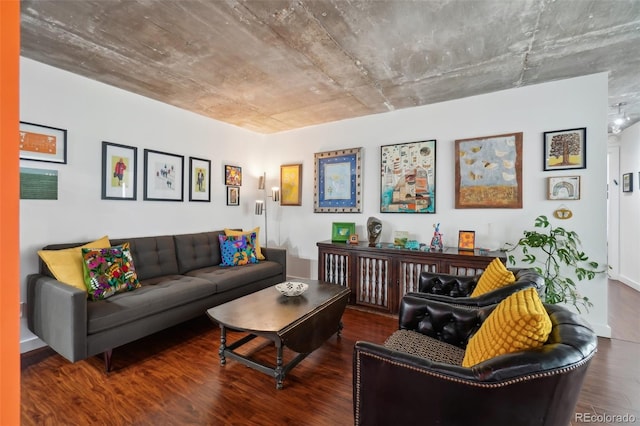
233	233
66	264
518	323
495	276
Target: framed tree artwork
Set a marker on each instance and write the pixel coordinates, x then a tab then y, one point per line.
119	171
489	172
565	149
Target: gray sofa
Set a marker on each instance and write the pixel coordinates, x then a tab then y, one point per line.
180	276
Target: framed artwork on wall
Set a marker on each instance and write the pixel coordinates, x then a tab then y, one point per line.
408	180
43	143
233	195
627	182
163	174
199	179
563	188
337	181
291	185
489	172
565	149
119	171
232	175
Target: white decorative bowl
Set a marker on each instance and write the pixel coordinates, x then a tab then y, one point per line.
292	288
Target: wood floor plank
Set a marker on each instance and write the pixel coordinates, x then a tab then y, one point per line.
174	378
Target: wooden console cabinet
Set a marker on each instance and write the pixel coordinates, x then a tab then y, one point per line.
379	277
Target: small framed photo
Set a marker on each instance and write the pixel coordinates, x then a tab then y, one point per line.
565	149
233	195
342	231
163	175
199	179
119	172
563	188
291	185
43	143
627	182
466	240
232	175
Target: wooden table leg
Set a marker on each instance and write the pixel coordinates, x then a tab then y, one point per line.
223	344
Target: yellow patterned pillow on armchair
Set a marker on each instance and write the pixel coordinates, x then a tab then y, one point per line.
495	276
518	323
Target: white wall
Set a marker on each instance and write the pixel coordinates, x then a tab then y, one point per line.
93	112
629	267
579	102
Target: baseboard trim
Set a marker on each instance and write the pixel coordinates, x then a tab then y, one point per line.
629	282
31	344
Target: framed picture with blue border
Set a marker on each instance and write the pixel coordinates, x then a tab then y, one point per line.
337	181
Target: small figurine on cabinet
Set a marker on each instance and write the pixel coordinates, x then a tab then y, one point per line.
436	241
353	239
374	228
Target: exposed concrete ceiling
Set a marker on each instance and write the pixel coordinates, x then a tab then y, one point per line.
274	65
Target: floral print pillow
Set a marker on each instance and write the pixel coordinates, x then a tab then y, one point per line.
238	250
108	271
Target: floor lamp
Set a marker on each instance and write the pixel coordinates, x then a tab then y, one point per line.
261	205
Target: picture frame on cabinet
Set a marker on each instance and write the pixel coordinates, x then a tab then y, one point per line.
466	240
199	179
119	172
163	176
42	143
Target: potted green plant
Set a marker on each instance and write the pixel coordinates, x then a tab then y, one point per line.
550	250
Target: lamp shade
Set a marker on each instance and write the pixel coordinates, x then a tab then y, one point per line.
259	207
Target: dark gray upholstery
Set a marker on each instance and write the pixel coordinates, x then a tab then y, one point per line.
180	280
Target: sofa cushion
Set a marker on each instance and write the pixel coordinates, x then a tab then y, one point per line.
66	264
153	256
199	250
166	292
238	250
108	271
518	323
227	278
256	230
496	275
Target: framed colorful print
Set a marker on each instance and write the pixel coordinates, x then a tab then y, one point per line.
232	175
489	172
408	181
163	175
119	171
627	182
43	143
466	240
337	181
565	149
233	195
341	231
291	185
199	179
563	188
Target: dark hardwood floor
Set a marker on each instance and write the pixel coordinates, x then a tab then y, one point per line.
174	378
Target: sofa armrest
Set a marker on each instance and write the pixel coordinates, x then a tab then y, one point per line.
57	314
277	255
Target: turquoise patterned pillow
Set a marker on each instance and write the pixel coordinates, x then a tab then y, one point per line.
238	250
108	271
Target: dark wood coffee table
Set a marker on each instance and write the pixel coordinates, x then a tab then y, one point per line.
300	323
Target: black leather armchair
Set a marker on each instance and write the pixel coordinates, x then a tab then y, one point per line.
533	387
457	289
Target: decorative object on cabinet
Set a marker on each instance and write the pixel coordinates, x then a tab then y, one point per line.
119	171
374	228
400	238
337	181
233	195
353	239
43	143
408	181
232	175
466	240
291	185
565	149
563	188
627	182
199	179
489	172
340	231
436	240
163	174
553	251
